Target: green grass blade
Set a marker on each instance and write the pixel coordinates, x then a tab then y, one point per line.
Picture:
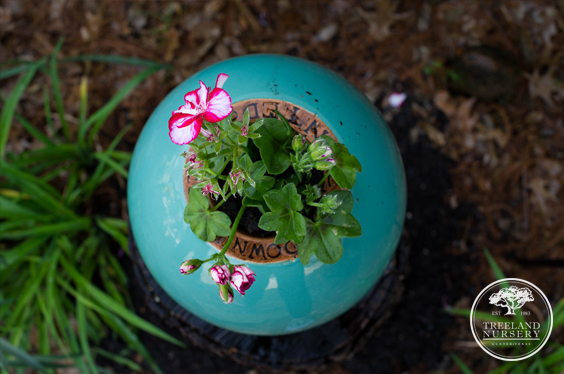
10	209
10	106
120	360
33	131
42	193
108	226
32	286
17	253
102	157
117	60
20	355
554	358
116	140
55	228
461	365
97	119
121	156
10	72
131	339
113	306
496	270
82	334
57	88
83	105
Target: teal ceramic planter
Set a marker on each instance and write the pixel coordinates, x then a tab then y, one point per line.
286	297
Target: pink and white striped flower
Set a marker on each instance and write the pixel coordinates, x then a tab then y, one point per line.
220	274
208	189
185	123
242	278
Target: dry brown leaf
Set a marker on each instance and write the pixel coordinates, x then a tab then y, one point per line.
381	21
434	135
544	86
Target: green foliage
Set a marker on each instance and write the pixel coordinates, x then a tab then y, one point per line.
284	218
205	223
346	167
52	252
263	182
322	239
260	173
274	145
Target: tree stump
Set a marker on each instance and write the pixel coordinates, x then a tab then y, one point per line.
333	341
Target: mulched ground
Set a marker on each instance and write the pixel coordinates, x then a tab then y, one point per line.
482	130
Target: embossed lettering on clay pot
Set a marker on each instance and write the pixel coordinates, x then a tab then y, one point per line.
286	297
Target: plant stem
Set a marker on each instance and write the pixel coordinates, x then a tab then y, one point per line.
221	202
233	230
323	179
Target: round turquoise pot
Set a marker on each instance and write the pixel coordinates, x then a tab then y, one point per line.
287	297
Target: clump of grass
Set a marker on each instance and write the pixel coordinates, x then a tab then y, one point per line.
61	282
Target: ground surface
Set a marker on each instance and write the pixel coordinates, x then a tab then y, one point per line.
481	131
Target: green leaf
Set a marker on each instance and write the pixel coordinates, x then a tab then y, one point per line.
255	126
246	117
263	183
205	224
322	238
322	241
260	204
272	145
344	222
346	167
285	205
10	106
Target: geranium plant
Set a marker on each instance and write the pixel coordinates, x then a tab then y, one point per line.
272	168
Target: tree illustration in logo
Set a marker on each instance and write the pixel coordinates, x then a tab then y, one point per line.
511	298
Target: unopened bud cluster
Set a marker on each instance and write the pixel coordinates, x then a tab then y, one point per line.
315	155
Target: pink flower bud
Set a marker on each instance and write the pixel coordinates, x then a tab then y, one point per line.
242	278
245	130
190	266
226	293
220	274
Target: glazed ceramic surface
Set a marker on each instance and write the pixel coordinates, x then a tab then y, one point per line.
287	297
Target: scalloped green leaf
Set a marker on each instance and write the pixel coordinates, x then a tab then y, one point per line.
205	224
284	218
272	145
